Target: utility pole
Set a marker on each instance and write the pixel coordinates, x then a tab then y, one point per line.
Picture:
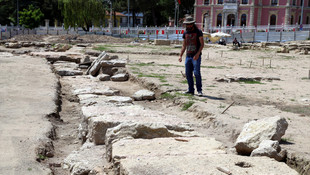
175	12
128	1
110	23
302	11
17	4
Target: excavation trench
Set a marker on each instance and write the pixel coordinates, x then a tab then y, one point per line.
70	117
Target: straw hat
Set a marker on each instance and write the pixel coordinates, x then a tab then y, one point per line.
189	20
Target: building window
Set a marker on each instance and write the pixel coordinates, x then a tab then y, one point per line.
294	2
219	20
244	2
220	2
309	3
307	20
205	16
299	18
243	20
273	20
301	2
292	20
231	20
207	2
274	2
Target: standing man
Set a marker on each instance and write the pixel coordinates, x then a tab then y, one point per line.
193	44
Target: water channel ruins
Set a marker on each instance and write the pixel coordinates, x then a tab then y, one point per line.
116	107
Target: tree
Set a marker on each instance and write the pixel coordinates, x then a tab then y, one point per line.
7	12
82	13
31	17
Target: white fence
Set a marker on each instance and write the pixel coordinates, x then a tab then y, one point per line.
244	34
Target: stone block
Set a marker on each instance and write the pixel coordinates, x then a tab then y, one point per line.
120	77
144	95
254	132
186	156
104	77
270	148
86	159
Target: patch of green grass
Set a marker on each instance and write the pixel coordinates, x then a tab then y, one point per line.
29	169
167	95
184	82
221	106
166	85
135	68
161	78
305	78
214	67
142	64
286	139
287	57
41	157
169	65
104	48
250	82
187	105
274	89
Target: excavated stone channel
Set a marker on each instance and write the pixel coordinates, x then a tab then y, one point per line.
70	117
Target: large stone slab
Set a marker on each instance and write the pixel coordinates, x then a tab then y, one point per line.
254	132
63	68
96	65
89	85
102	115
120	77
113	63
144	95
270	148
187	156
59	56
88	159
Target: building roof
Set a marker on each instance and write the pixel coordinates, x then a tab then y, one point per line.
116	13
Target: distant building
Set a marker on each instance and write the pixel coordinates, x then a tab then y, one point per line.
119	17
138	21
211	13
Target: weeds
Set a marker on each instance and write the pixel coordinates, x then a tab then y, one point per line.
187	105
167	95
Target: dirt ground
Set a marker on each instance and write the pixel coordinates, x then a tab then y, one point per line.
288	97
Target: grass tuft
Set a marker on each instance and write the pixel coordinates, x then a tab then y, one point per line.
187	105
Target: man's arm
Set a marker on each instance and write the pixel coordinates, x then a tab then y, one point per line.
200	49
182	50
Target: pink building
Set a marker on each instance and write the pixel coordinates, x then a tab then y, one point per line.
212	13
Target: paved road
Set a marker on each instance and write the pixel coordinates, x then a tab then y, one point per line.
27	93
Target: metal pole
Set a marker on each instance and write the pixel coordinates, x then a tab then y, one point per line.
17	4
111	14
128	2
302	11
175	12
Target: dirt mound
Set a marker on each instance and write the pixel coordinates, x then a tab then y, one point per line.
38	38
72	39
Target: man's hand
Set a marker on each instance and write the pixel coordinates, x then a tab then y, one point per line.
196	56
180	59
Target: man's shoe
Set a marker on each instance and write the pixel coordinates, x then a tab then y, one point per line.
200	94
188	93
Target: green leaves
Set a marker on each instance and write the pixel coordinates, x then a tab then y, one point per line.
82	13
31	17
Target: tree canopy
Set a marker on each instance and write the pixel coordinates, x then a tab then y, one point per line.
31	17
82	13
156	12
85	13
